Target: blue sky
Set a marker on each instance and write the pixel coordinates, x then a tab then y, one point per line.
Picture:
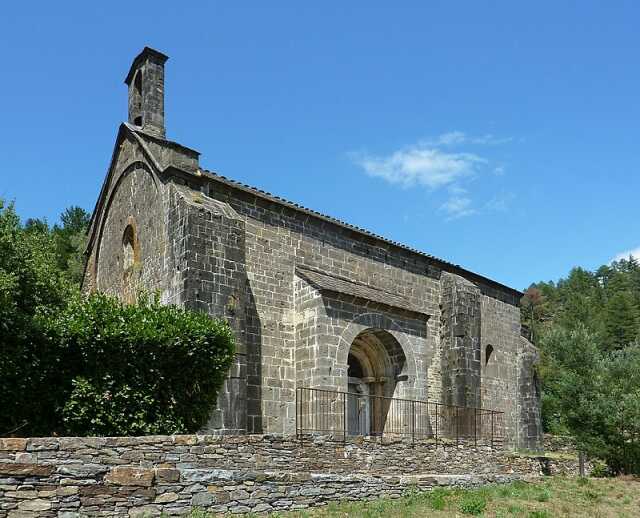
501	136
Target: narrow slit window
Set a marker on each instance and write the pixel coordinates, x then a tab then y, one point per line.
137	98
129	248
488	353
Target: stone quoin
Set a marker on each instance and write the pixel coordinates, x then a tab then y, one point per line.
313	301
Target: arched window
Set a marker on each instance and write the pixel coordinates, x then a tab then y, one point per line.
487	354
130	254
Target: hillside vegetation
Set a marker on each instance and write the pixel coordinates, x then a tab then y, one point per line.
587	328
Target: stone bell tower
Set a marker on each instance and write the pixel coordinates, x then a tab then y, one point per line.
146	91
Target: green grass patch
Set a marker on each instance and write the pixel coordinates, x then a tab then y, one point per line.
547	498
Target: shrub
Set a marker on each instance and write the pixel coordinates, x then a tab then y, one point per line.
134	369
411	494
473	503
438	499
599	470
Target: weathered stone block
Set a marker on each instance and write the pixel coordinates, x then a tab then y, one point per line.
166	498
239	494
22	514
42	444
67	491
82	470
186	440
130	476
167	475
202	499
34	505
222	497
25	470
13	444
145	511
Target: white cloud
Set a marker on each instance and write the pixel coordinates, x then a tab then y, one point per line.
447	139
438	163
635	253
500	202
453	138
458	205
419	165
490	140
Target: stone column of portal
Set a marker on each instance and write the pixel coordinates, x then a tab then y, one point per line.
460	353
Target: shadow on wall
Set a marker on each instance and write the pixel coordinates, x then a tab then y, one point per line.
253	339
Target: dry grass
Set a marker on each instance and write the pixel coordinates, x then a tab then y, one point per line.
551	497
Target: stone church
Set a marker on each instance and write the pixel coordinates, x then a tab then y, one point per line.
314	302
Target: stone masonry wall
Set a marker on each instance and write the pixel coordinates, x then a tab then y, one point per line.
214	282
277	241
460	350
499	372
137	476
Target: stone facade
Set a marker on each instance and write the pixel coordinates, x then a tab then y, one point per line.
314	302
144	476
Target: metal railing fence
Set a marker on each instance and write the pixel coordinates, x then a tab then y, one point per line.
339	415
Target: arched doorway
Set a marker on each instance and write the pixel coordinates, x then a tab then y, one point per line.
374	366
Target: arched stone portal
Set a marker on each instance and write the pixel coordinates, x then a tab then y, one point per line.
375	364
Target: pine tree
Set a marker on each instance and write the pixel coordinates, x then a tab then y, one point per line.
621	321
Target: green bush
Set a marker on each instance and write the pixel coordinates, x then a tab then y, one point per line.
599	469
473	504
134	369
438	499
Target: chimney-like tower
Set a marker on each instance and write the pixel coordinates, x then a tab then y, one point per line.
146	91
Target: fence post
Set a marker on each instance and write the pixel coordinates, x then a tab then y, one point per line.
436	425
413	423
475	427
492	414
344	418
581	463
298	413
457	426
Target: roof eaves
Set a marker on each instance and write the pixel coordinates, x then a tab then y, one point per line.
452	267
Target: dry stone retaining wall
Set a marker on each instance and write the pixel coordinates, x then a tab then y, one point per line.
120	476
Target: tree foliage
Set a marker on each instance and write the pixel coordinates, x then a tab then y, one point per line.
606	302
588	331
595	394
30	282
70	240
93	365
